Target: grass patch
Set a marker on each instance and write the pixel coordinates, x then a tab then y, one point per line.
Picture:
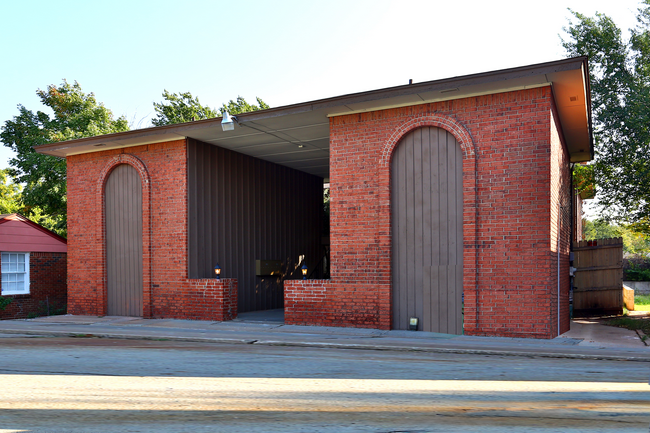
642	303
633	323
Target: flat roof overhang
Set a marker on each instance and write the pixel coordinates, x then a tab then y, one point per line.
297	136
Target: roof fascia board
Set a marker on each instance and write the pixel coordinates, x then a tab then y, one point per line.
443	97
412	89
154	135
324	104
587	81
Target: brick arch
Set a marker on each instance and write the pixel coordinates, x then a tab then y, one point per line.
124	158
470	201
437	120
141	168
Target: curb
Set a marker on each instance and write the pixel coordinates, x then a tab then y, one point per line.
128	336
457	350
324	345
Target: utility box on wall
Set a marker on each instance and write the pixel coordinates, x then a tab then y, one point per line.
268	267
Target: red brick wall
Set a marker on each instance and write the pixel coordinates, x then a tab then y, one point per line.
167	291
512	185
327	303
47	285
560	226
510	270
203	299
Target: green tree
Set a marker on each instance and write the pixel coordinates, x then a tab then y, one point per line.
241	106
183	107
9	194
620	88
599	229
634	242
11	199
179	108
76	115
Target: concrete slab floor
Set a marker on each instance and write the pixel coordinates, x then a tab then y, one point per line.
85	320
594	332
266	316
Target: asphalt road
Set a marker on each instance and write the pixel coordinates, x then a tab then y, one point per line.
103	385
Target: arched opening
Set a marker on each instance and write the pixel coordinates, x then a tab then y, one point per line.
427	231
123	229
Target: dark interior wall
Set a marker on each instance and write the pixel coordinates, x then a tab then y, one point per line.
242	209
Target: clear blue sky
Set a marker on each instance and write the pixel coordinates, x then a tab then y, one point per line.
128	52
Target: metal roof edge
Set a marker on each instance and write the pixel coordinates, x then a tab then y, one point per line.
572	63
587	79
448	98
323	104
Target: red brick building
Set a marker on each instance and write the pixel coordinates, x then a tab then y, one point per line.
450	203
33	267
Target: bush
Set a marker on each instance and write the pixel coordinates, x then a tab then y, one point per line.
51	308
636	268
637	275
4	302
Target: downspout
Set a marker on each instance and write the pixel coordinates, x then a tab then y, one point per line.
572	206
476	243
559	217
559	237
574	237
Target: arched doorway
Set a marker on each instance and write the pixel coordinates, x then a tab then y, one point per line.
427	231
123	216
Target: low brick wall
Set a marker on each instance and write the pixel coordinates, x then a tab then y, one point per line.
47	291
199	299
328	303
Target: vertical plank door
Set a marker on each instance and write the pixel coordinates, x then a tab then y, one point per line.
427	231
123	207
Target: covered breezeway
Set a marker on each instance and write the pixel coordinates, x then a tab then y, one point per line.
258	220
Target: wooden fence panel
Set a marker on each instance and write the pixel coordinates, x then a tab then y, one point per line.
598	282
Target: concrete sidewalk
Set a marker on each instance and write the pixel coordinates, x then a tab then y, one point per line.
588	339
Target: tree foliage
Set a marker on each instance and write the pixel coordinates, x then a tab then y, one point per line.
620	88
583	180
183	107
634	242
241	106
9	194
180	108
11	199
75	115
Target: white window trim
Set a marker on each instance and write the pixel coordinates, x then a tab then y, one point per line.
27	282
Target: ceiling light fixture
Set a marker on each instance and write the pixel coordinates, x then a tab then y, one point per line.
228	122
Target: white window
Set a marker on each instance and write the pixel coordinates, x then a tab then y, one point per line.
15	273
